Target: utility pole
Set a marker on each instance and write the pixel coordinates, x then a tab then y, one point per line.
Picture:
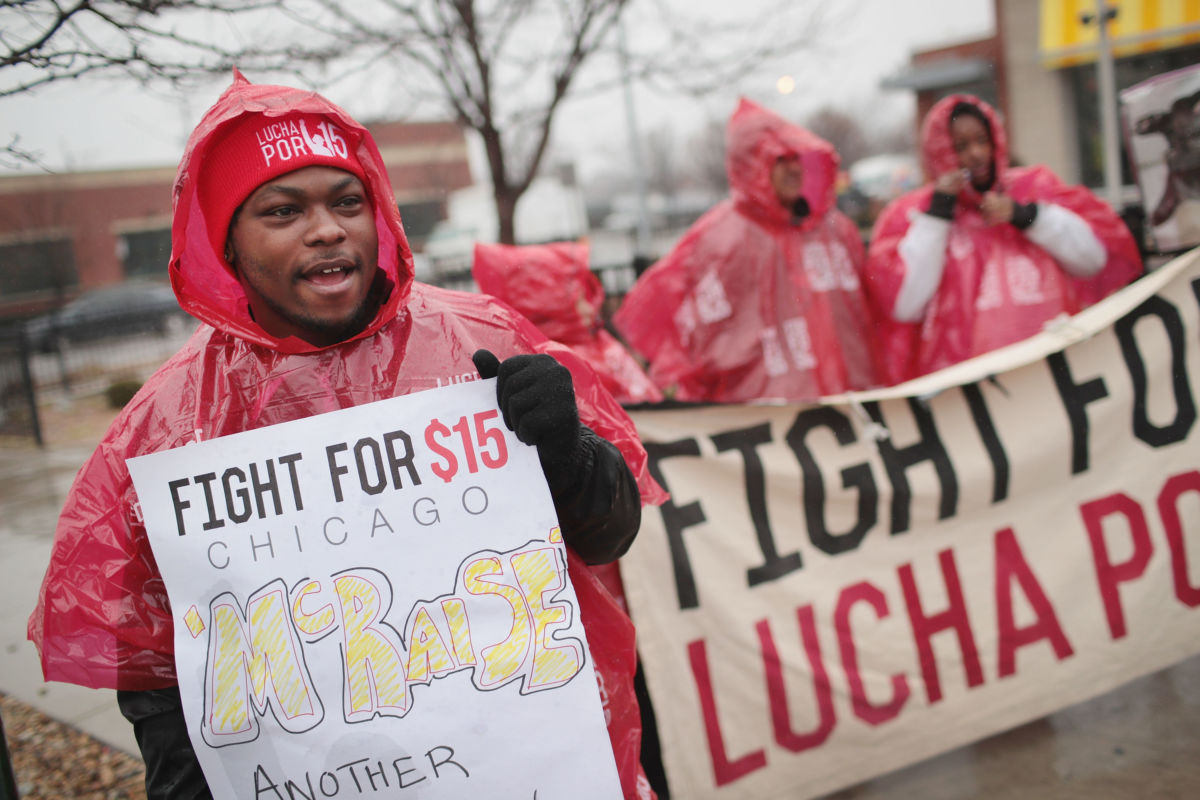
1107	88
642	244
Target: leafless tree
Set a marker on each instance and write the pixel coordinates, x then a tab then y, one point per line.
843	132
53	41
502	67
707	151
662	163
898	137
14	155
48	41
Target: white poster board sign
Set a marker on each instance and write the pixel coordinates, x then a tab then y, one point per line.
376	599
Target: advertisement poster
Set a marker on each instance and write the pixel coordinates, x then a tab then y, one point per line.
1162	129
376	600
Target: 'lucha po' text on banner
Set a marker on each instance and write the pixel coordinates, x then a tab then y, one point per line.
376	600
836	591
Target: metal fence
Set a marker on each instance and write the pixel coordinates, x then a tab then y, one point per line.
18	400
31	378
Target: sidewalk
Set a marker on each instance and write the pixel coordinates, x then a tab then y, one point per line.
33	485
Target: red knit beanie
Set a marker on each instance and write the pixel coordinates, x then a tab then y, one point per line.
254	148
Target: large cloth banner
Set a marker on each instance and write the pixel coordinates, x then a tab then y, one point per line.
374	602
836	591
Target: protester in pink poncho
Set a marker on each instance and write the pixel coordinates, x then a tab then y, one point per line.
553	287
761	298
300	269
986	254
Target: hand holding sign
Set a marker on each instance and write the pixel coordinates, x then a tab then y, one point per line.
538	400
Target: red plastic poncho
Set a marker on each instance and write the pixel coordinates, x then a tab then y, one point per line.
102	618
553	287
997	287
750	304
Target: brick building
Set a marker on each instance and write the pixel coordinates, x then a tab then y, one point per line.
63	233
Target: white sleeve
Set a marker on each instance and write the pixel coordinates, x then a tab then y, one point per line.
1065	236
923	253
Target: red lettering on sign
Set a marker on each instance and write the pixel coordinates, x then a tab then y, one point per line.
781	722
953	618
1010	565
724	770
1168	509
864	709
1109	575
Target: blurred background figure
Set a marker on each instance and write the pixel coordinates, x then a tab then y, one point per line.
761	297
874	182
986	254
552	286
1181	127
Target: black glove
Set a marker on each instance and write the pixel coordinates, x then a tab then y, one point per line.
1023	215
941	205
595	495
537	398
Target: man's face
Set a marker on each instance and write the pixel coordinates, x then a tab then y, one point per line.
973	145
305	248
787	179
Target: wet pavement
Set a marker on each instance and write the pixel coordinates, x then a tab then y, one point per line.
1140	741
33	485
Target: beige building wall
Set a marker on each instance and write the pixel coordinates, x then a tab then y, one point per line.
1041	123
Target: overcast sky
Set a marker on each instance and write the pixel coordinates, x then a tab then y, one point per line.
102	125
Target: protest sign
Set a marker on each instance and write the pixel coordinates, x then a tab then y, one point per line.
1162	134
835	591
375	599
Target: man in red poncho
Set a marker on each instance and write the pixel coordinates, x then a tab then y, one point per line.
286	241
986	254
761	298
552	286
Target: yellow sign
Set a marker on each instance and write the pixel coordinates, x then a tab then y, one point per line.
1070	35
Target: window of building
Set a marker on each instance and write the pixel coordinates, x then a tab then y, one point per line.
37	267
146	254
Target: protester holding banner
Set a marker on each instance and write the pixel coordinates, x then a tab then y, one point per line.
552	286
762	297
986	254
288	244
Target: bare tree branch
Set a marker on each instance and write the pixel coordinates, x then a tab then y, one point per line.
841	130
13	155
502	67
47	41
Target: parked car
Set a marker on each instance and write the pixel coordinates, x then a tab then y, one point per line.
121	309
